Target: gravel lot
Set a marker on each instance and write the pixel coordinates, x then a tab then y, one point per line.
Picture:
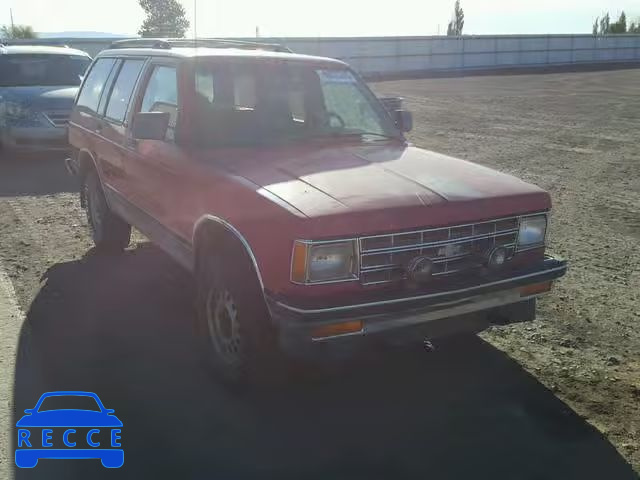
514	404
576	135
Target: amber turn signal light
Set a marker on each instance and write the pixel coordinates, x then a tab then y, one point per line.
299	262
535	289
336	329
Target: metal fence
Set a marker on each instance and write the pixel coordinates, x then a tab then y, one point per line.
405	55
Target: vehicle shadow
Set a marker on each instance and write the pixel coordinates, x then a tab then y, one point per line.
121	327
41	175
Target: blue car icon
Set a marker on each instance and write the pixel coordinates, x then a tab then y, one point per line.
102	427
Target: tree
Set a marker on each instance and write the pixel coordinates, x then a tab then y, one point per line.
165	18
620	26
457	22
17	32
603	26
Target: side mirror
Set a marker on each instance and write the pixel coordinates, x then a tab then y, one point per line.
404	120
150	125
109	411
391	104
29	411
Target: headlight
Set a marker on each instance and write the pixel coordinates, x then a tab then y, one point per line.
532	231
13	110
12	113
324	261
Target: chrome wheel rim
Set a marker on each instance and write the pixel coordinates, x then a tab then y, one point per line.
224	328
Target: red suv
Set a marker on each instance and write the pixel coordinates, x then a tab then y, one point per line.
290	191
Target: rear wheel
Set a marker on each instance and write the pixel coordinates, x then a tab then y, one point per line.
109	232
237	338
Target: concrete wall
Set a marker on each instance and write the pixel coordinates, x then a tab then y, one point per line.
398	55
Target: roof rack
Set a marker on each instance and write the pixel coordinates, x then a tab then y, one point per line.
168	43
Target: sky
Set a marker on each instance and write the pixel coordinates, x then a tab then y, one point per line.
277	18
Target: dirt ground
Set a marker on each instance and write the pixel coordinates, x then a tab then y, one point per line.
574	134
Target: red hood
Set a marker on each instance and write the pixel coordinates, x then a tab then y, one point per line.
386	186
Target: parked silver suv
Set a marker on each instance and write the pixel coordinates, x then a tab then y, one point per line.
37	88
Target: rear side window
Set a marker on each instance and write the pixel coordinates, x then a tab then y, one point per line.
122	89
161	95
94	84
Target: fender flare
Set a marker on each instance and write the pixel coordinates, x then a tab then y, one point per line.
221	222
84	157
83	152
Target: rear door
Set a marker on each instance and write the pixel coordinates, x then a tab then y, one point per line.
86	120
113	128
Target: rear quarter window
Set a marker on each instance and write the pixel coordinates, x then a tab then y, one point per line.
92	89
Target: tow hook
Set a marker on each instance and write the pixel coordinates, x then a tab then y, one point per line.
428	346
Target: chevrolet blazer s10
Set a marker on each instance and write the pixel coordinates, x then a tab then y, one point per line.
308	220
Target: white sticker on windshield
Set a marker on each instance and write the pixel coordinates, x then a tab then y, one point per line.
336	76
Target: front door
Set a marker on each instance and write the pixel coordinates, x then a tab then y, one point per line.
158	169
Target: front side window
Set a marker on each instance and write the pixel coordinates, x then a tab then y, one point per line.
243	104
161	95
91	92
345	102
122	89
44	70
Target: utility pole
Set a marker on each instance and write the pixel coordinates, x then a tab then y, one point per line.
195	19
11	16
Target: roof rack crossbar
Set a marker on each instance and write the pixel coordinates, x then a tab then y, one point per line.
168	43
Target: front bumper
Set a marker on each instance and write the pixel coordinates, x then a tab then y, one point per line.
35	139
298	324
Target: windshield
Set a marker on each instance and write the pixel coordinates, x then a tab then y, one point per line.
42	70
240	104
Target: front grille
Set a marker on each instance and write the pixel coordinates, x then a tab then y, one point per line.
59	118
383	258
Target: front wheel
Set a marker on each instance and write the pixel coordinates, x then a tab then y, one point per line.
238	340
109	232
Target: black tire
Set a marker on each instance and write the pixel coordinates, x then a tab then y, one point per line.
109	232
237	338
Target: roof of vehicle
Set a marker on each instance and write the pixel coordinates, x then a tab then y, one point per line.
39	50
190	52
